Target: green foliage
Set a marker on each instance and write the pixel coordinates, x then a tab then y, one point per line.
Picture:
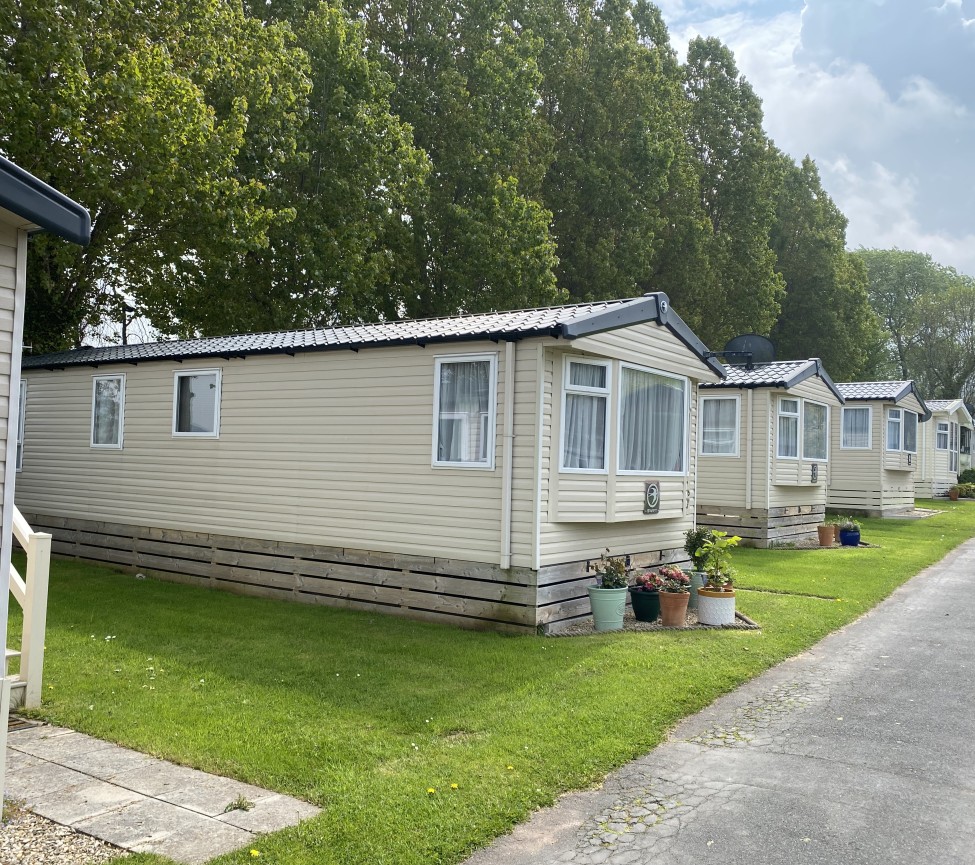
849	524
715	556
965	490
967	477
695	541
611	572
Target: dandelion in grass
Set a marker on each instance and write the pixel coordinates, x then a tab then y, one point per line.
255	853
431	790
454	786
510	768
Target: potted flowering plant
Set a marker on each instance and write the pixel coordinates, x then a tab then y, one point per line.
645	596
608	596
716	600
675	592
850	532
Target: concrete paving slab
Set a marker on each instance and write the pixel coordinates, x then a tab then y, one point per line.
861	752
136	802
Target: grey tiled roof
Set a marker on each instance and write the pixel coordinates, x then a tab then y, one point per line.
568	322
889	391
777	373
940	404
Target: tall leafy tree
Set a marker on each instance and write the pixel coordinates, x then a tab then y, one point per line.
141	111
826	312
739	178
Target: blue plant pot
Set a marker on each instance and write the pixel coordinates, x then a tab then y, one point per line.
850	537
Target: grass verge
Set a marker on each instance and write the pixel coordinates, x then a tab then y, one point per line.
364	715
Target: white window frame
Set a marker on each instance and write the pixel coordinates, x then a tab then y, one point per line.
619	423
954	446
591	391
121	411
184	373
942	432
22	407
869	410
700	446
491	414
802	431
778	436
901	412
917	430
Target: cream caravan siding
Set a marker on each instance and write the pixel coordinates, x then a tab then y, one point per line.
10	265
721	479
855	475
580	514
329	448
791	480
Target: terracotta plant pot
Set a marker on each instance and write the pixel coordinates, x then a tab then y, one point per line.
673	609
825	535
953	495
836	533
715	606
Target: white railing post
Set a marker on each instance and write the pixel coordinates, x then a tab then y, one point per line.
35	616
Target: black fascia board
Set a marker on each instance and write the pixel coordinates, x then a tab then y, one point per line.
34	200
654	307
815	367
912	388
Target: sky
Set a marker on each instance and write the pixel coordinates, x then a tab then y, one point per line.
880	93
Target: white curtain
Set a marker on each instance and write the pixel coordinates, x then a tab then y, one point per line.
585	431
856	427
108	401
894	430
814	431
651	423
719	420
788	428
465	398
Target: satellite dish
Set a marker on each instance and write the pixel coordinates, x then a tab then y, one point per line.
749	348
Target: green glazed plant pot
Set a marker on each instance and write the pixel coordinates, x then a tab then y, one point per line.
646	605
698	579
607	608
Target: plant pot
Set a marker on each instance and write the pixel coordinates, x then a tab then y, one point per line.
698	579
825	535
953	495
646	605
607	608
715	607
836	533
673	609
850	537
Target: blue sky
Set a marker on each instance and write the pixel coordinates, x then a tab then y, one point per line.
881	93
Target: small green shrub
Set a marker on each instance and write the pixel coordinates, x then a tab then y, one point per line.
967	477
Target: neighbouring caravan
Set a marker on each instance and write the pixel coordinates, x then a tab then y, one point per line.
943	442
875	448
764	450
467	469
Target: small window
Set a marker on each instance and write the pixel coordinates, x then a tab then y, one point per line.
954	438
965	438
107	410
856	428
815	431
719	426
585	403
653	411
20	424
788	428
464	411
910	432
894	429
196	403
942	440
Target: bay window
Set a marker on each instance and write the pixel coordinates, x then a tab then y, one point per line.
815	431
788	428
652	412
585	407
941	442
902	430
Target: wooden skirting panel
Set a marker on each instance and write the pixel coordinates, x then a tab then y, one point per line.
759	527
468	594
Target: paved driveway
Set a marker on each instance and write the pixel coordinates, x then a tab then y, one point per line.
861	750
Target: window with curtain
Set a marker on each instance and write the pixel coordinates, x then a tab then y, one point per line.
584	415
964	437
953	449
20	425
196	403
815	431
856	428
941	442
465	412
652	422
719	426
788	438
894	429
910	432
107	410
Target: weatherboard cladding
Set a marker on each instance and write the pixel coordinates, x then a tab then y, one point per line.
569	322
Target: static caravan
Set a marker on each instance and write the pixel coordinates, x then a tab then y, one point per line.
467	469
940	447
763	450
875	448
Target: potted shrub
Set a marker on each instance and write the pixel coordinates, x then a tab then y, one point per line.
694	541
850	532
954	492
716	600
608	596
645	597
675	592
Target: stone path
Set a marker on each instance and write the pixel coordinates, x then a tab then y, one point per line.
861	752
137	802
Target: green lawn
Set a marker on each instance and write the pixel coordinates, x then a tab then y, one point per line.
363	714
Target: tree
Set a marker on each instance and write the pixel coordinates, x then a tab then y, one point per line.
141	112
826	312
739	178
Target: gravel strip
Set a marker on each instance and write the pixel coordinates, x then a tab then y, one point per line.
26	839
584	627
